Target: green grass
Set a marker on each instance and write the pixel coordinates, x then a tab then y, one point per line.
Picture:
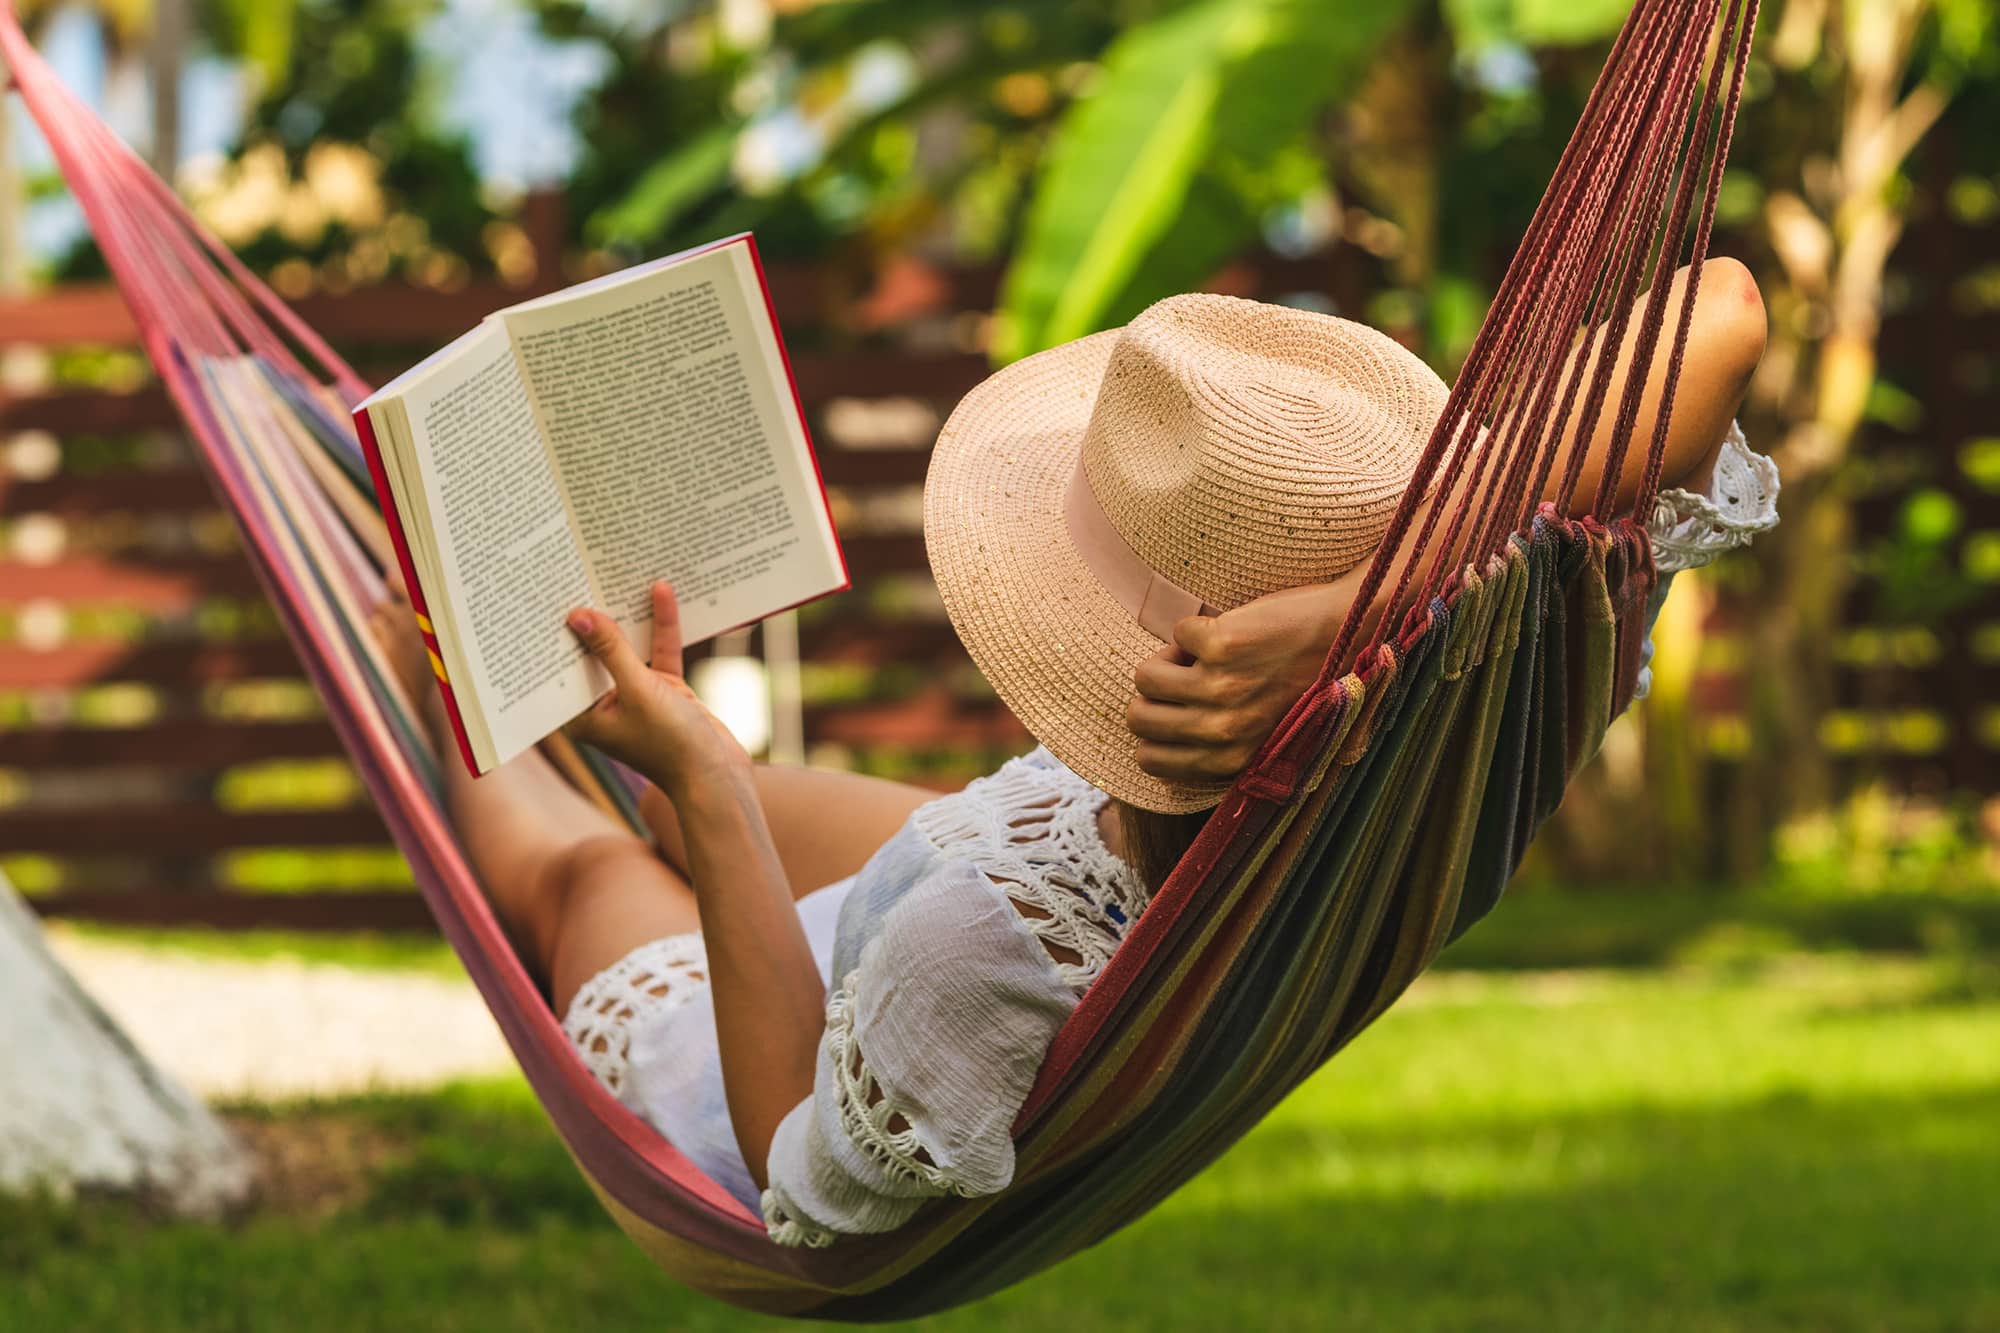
372	950
1634	928
1793	1142
1537	929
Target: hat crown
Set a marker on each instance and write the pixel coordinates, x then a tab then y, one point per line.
1240	447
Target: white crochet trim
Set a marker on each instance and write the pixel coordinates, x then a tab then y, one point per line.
659	975
1033	830
785	1229
1689	529
865	1112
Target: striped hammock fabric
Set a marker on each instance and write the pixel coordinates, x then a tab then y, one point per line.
1383	817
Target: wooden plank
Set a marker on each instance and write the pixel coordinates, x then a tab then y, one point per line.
97	314
136	490
221	909
185	829
184	662
395	312
190	743
884	374
805	294
872	555
169	585
858	639
891	725
874	467
821	376
89	413
932	720
161	585
187	489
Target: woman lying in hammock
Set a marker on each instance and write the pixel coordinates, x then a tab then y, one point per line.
832	992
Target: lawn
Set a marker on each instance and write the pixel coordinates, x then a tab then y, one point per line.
1741	1135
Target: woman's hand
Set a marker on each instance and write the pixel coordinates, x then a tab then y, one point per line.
1209	699
651	719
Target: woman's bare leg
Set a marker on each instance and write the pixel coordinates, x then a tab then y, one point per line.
825	823
575	889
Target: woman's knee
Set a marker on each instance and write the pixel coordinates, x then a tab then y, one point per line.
580	874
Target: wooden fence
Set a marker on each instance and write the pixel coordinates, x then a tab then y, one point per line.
161	760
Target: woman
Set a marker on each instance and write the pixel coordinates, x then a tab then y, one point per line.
832	992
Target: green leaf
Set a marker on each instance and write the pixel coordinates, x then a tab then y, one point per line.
1145	190
1119	165
262	34
1477	23
1980	461
1568	22
667	189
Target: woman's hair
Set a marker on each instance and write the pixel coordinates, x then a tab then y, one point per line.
1155	842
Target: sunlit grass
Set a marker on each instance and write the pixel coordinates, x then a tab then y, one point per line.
1796	1142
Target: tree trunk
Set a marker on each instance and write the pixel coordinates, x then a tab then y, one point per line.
81	1109
169	57
1832	228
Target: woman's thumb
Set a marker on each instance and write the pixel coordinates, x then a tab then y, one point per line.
603	640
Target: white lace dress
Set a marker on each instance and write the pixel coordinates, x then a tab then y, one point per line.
951	959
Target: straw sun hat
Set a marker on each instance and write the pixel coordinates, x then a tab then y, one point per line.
1084	499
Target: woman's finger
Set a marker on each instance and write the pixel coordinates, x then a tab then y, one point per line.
603	640
666	629
1164	678
1189	763
1171	723
1199	637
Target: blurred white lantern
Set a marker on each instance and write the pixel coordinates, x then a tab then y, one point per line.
738	691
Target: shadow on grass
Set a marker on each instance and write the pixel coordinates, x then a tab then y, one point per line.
1539	929
1787	1212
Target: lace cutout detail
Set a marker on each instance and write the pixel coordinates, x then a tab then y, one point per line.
785	1229
868	1119
1032	827
1689	529
658	975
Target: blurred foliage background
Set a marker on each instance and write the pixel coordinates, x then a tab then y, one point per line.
1824	712
1650	1093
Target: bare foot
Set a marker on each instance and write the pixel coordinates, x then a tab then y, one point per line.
393	623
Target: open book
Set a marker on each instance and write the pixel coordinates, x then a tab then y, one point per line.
574	449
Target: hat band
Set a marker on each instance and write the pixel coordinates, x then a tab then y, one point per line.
1153	600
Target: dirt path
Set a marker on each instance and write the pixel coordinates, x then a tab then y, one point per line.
270	1029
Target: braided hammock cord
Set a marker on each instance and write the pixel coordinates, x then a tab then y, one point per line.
1598	238
1645	161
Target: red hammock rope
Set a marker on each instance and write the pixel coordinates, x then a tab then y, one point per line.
1600	232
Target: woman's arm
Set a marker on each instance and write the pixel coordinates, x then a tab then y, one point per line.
1205	703
769	1002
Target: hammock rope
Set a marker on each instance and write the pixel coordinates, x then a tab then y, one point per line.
1383	817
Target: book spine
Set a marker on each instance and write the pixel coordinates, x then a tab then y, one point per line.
798	409
386	498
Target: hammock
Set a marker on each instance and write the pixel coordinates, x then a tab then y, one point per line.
1382	818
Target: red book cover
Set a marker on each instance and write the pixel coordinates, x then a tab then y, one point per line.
798	409
387	500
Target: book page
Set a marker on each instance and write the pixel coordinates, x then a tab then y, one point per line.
671	421
509	563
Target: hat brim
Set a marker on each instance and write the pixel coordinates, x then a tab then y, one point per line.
1054	643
